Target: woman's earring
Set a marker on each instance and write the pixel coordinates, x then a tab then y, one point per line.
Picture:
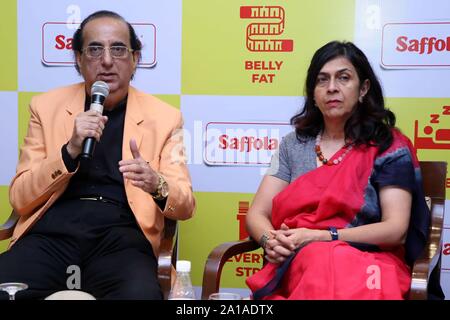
361	99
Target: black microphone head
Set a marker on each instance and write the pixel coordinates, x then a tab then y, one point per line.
101	88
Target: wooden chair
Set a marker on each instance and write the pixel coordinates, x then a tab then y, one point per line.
167	258
434	175
167	250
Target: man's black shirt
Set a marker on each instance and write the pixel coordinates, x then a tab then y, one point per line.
100	176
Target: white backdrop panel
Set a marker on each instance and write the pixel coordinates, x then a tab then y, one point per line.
8	134
163	78
198	111
372	15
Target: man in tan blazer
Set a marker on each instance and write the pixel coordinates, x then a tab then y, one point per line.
104	216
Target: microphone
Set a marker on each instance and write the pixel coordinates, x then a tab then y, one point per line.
99	92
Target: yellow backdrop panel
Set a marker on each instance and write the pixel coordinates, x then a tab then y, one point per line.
8	39
216	59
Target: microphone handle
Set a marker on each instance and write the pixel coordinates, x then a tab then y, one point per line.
89	143
88	148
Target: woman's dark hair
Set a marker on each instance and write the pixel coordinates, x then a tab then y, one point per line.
370	123
77	42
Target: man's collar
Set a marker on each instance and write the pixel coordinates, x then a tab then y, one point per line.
75	106
134	111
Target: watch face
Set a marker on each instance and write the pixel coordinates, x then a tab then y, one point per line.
165	189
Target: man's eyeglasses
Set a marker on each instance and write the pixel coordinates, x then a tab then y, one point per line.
96	52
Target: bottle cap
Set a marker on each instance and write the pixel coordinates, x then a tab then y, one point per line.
183	266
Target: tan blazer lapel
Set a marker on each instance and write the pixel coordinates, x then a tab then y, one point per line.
133	118
73	109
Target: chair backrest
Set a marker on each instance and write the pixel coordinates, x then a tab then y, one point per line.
6	230
168	256
434	174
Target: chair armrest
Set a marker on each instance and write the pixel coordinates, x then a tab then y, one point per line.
167	256
6	230
422	266
216	260
419	281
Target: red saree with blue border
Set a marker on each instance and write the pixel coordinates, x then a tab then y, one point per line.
346	196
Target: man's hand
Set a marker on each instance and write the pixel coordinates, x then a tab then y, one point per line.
138	171
87	124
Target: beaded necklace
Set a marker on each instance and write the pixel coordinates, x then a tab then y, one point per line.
325	161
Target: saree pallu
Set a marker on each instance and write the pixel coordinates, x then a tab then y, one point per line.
345	196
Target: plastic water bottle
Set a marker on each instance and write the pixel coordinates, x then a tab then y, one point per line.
182	289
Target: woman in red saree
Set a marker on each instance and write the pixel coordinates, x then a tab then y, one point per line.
341	214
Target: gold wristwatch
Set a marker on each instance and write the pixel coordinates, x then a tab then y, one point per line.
162	189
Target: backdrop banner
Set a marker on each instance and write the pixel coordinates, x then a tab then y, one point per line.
236	69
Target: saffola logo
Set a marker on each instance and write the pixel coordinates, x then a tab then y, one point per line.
247	143
446	250
242	143
424	45
263	34
57	40
416	45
